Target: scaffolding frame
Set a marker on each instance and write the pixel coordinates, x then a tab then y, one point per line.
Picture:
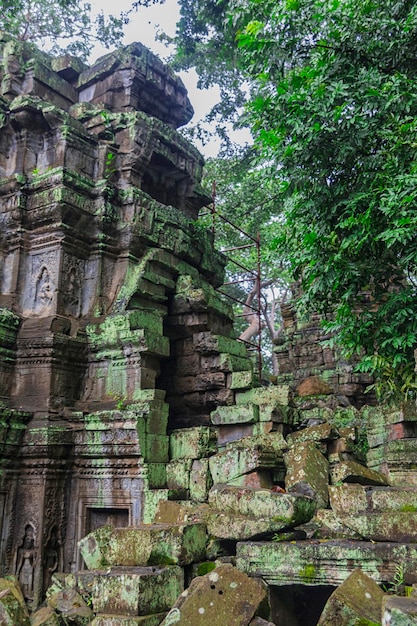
254	275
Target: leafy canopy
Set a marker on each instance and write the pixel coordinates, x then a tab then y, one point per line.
68	25
332	104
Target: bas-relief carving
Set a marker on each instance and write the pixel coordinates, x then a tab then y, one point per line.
51	557
71	286
44	290
25	563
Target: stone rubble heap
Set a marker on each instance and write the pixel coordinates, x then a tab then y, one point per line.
333	522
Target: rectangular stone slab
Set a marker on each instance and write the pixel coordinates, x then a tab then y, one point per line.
136	590
147	544
326	562
288	508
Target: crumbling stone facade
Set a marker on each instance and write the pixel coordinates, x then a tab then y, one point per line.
111	329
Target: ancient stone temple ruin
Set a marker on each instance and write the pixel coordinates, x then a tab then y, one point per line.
146	478
110	326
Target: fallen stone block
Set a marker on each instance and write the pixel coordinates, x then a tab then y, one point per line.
46	616
147	544
399	611
223	596
13	610
397	526
307	472
318	432
357	600
316	562
137	590
288	509
349	498
234	432
71	605
353	472
329	526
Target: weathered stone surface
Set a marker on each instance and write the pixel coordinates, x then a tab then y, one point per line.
69	603
147	544
13	610
246	455
288	509
200	480
307	472
269	399
398	611
350	498
257	479
314	386
238	414
46	616
398	526
136	591
357	599
224	596
330	526
120	620
191	443
353	472
241	380
318	432
325	563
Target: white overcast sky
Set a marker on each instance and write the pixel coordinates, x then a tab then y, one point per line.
143	27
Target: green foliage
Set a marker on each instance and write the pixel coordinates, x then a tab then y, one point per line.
394	586
61	25
332	105
248	198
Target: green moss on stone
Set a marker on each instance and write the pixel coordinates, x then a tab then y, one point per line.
308	573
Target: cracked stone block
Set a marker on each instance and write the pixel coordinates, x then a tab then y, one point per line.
223	596
308	472
146	544
357	599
